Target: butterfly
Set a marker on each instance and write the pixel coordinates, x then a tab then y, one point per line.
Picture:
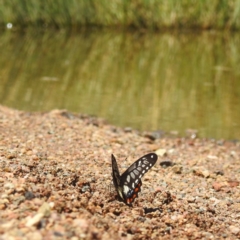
128	185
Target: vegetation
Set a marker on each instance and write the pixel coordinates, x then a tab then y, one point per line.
153	14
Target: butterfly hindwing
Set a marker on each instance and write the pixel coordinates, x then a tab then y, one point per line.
128	185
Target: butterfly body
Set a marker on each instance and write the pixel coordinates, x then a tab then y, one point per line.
128	185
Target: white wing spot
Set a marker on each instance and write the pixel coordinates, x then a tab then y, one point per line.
147	168
136	171
133	185
143	171
146	162
136	181
132	175
128	178
139	169
140	176
143	165
125	189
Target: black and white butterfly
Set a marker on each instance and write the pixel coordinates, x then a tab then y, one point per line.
128	185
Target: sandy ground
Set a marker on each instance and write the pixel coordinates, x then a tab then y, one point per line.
56	183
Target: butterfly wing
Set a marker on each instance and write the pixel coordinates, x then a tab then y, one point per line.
130	180
116	177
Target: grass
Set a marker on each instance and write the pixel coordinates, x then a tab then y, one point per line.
150	14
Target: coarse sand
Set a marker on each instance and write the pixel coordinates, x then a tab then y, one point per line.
56	181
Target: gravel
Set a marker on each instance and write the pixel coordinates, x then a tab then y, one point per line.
56	183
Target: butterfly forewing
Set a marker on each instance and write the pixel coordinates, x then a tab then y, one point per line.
131	178
129	183
115	172
140	167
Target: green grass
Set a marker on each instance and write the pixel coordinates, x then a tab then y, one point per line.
150	14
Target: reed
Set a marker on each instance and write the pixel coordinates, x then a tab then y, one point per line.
153	14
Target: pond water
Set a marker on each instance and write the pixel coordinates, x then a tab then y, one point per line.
147	81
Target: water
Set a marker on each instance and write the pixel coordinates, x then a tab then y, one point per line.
148	81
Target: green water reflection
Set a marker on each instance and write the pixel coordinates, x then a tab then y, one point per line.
147	81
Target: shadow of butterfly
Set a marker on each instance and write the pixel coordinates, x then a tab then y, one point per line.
128	185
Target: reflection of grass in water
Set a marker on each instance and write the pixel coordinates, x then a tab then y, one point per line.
137	13
147	81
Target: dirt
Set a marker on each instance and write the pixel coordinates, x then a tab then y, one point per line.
56	182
